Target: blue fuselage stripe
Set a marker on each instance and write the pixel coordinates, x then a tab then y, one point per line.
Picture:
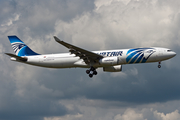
135	58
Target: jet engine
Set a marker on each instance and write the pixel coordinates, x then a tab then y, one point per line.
109	61
116	68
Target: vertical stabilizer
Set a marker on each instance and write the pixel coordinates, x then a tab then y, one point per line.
19	47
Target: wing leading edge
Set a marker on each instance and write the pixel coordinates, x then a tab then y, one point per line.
87	56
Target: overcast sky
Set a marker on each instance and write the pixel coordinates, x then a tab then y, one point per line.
139	92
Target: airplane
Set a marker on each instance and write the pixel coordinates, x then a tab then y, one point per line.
109	60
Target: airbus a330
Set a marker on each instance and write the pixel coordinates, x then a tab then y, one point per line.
109	60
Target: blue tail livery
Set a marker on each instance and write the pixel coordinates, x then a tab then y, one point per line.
20	48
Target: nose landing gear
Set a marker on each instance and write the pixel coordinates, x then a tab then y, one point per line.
92	71
159	65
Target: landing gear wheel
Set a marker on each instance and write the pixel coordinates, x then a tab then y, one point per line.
92	71
159	66
87	71
90	75
95	72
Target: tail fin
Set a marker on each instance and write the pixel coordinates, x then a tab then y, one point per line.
19	47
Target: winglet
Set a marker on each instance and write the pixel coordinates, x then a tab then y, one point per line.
57	39
69	46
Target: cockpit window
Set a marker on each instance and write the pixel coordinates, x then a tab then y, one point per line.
169	50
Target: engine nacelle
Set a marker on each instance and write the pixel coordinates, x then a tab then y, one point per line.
109	61
116	68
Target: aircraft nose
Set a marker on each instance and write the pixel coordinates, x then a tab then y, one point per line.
173	54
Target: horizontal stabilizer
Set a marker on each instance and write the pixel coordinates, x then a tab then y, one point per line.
24	59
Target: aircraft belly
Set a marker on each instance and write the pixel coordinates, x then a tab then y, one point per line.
61	62
53	62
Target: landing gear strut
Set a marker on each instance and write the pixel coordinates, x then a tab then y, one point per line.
92	71
159	65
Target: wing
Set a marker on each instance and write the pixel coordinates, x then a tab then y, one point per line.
87	56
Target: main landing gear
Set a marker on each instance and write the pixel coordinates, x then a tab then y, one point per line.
159	65
92	71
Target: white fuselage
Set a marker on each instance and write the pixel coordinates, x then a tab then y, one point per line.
123	56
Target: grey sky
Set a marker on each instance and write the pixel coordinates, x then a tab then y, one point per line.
142	90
